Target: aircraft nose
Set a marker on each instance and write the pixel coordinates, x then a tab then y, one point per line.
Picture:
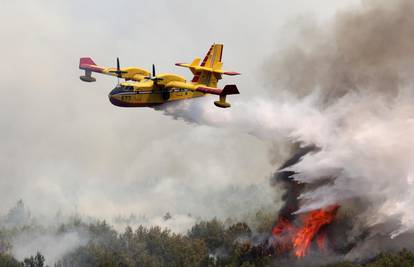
113	97
112	94
114	91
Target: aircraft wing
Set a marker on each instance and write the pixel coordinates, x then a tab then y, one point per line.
230	89
129	73
215	69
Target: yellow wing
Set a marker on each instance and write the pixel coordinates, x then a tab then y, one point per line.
129	73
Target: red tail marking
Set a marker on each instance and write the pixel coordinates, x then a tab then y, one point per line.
206	57
86	61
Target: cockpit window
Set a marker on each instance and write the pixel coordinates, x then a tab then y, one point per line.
127	88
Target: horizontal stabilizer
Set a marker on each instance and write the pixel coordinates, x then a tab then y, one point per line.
196	62
231	73
216	69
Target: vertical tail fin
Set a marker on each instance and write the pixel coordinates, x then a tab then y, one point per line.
211	60
213	56
209	72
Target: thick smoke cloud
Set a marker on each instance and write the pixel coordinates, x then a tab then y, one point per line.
346	87
65	148
362	65
343	85
365	49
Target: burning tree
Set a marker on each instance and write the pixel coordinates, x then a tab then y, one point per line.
294	234
298	238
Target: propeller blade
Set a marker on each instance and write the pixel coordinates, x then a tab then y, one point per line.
118	70
153	75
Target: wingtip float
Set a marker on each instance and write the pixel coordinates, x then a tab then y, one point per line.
145	89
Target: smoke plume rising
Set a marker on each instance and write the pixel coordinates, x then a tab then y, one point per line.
345	87
365	49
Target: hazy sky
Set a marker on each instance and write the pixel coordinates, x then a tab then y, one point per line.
65	147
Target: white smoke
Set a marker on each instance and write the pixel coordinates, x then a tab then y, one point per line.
52	246
351	96
368	152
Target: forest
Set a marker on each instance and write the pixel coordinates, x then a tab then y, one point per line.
207	244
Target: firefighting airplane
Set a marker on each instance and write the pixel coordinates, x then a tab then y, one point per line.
143	89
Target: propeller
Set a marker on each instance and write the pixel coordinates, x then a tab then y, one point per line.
153	77
118	70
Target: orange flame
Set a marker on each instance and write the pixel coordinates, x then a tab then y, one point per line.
313	222
300	238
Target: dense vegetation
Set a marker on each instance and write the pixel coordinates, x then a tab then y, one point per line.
404	258
206	244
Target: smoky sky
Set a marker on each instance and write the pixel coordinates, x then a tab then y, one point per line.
65	147
357	73
344	85
366	48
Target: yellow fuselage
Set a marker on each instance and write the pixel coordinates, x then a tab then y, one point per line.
145	89
147	93
149	98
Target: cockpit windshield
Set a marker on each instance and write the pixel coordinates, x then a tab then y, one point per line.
122	88
126	88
